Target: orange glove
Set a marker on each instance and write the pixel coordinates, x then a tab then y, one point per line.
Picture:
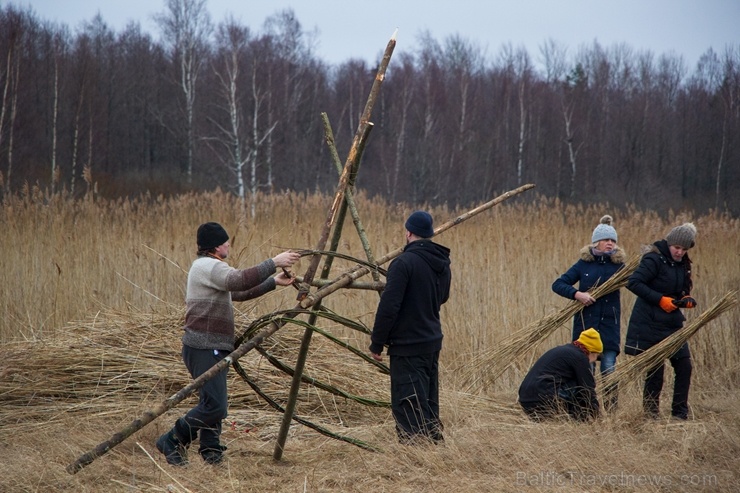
666	303
685	302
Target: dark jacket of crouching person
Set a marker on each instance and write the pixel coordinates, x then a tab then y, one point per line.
561	381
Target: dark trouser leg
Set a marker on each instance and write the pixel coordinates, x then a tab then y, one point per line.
538	411
434	424
682	368
651	391
212	405
415	396
576	401
210	437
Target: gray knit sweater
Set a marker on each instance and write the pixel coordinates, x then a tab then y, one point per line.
212	285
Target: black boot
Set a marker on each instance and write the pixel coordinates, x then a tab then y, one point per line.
173	448
213	454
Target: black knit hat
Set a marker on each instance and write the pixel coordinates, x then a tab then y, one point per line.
211	235
420	224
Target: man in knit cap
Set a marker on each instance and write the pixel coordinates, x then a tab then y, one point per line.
407	323
209	336
561	380
663	284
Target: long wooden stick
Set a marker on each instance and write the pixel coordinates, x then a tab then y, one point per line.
350	166
349	198
149	416
359	271
366	286
338	210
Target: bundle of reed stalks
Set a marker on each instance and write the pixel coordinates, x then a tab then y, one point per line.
120	363
489	365
636	368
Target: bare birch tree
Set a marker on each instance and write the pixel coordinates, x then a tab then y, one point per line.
463	64
10	76
289	63
231	42
523	73
720	76
730	94
406	77
575	82
186	29
242	145
57	52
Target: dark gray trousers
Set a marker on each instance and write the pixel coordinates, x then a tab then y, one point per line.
212	405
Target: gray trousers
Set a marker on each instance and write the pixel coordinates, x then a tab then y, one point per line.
212	405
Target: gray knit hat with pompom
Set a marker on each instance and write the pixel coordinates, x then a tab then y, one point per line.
604	231
683	236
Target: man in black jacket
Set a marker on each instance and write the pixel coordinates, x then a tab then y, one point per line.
407	322
562	380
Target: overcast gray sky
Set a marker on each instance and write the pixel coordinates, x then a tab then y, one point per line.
361	29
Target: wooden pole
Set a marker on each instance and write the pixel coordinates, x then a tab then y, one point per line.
149	416
351	164
337	210
355	273
349	198
366	286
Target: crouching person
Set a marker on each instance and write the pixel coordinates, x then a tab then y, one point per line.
561	381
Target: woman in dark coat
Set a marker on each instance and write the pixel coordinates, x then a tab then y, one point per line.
662	283
598	262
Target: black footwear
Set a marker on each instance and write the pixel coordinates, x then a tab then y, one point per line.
172	448
213	455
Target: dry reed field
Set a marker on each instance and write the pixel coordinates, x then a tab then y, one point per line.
93	301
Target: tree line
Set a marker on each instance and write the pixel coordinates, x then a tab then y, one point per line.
218	105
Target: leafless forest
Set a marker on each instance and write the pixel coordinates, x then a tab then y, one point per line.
204	104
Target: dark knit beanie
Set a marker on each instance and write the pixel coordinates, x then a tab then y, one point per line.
211	235
420	224
683	236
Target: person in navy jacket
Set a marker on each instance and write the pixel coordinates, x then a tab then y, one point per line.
407	323
597	263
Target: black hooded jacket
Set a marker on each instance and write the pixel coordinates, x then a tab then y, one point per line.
418	283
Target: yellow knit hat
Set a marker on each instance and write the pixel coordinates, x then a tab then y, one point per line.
591	340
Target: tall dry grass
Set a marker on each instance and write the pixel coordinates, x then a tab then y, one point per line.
92	301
